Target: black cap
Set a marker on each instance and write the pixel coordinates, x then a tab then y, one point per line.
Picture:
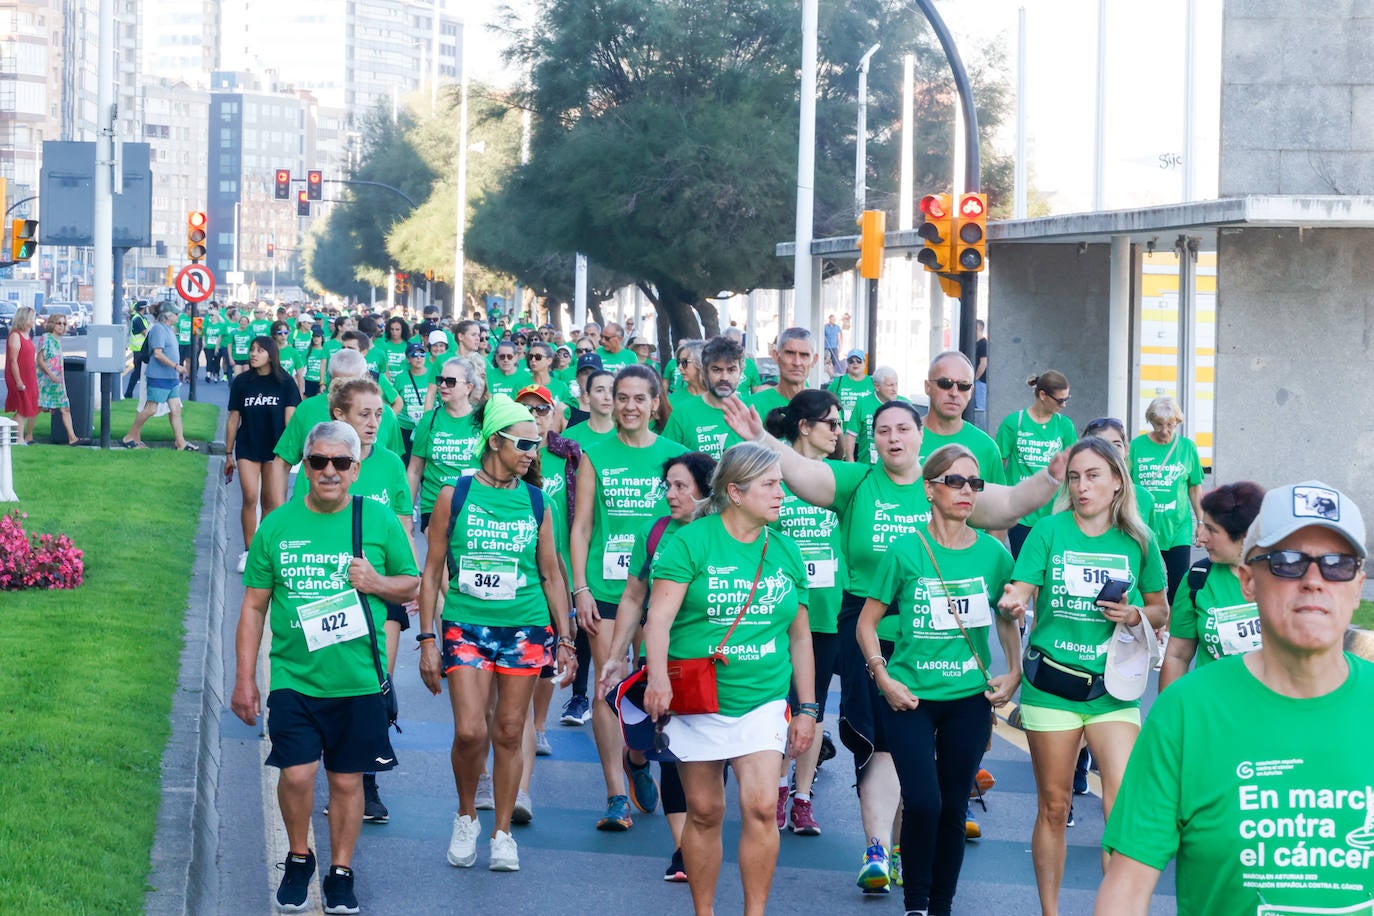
588	361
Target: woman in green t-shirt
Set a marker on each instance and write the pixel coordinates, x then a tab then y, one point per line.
411	383
1211	612
1065	563
727	583
393	348
938	692
447	441
315	359
240	342
1029	438
810	424
505	606
1166	463
619	490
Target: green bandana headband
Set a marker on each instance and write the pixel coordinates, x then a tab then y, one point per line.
501	412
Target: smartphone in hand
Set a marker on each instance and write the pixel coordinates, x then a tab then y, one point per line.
1113	591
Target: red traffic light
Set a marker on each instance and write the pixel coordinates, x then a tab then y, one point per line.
933	206
195	221
302	204
972	206
314	184
282	190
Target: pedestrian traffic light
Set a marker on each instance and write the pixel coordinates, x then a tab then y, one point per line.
198	326
314	184
195	235
936	229
302	204
872	232
973	232
283	189
271	250
22	241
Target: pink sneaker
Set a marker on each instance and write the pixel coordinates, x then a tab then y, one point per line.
803	824
782	807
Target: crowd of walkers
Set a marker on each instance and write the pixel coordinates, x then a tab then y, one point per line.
698	552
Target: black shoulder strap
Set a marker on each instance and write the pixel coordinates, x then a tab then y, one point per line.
536	504
1197	578
461	487
362	599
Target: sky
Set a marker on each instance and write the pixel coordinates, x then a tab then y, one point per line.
1144	85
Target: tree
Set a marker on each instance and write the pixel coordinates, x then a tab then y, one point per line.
665	135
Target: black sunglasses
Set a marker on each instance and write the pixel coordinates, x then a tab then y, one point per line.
1292	564
585	350
320	462
959	481
538	356
446	381
538	410
1060	401
944	384
833	424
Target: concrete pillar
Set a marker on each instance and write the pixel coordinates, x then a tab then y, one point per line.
1119	330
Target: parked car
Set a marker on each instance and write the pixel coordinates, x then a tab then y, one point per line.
7	310
84	321
60	308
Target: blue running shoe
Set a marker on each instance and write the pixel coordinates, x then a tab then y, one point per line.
643	789
874	877
617	816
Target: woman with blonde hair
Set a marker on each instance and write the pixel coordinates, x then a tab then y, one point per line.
52	381
1086	570
1165	462
21	373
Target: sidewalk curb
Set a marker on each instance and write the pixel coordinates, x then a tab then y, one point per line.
182	878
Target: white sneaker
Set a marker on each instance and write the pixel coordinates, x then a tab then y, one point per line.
504	854
243	561
542	747
462	846
486	795
524	809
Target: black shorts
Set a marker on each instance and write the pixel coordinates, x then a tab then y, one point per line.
606	609
424	521
824	650
240	362
397	612
350	733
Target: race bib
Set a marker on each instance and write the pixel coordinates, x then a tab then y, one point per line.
330	621
1086	573
615	562
415	412
1238	628
820	566
488	578
966	597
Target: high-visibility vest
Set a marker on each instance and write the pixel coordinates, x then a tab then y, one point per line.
136	337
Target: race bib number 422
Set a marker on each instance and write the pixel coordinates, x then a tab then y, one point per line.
330	621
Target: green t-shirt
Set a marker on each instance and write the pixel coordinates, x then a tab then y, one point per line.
976	441
300	341
700	427
314	364
930	655
391	356
1028	447
240	342
849	392
303	557
1221	620
1167	471
260	327
1263	800
640	561
763	400
411	388
629	492
291	361
389	392
314	410
381	478
816	532
449	446
584	435
719	572
614	362
1069	567
860	426
184	330
506	384
214	332
749	377
554	470
495	546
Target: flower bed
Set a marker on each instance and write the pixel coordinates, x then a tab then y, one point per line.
42	561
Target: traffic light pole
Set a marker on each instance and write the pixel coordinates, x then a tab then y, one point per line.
968	280
872	325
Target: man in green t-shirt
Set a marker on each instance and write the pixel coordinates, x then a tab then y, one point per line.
949	386
699	423
855	384
795	353
614	354
1253	773
317	589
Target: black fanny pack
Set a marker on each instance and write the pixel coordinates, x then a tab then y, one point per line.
1044	673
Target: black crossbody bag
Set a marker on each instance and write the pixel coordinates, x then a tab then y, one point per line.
393	708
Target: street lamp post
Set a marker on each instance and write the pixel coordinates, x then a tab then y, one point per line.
861	287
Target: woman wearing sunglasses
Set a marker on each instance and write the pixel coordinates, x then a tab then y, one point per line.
1029	438
1165	462
1085	570
810	424
619	491
539	370
876	505
447	439
505	618
261	402
292	363
1210	612
508	377
937	693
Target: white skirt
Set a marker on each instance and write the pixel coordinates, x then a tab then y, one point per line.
711	736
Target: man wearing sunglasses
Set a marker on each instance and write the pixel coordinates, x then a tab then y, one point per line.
508	377
949	386
854	385
1254	771
613	352
302	577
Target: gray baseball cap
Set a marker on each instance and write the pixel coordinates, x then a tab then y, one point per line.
1300	505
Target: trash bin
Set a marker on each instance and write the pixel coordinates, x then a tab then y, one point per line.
79	392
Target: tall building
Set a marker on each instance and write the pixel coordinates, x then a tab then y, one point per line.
181	40
175	120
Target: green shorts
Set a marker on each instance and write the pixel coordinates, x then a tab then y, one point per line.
1044	719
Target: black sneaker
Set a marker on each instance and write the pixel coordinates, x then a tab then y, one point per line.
1071	821
827	748
373	810
294	889
338	891
676	871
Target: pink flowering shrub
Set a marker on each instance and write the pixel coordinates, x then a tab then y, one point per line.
52	561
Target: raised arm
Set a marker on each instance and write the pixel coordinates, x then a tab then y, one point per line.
1001	507
811	480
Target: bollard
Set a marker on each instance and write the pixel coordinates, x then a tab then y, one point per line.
9	438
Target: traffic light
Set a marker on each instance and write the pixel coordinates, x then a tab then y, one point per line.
872	231
171	275
937	229
198	326
271	250
973	232
283	189
22	241
402	283
195	235
314	184
302	204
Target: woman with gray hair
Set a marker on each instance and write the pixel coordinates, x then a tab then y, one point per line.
1166	463
729	587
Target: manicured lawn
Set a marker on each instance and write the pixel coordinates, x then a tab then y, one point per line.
1364	615
86	676
199	421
